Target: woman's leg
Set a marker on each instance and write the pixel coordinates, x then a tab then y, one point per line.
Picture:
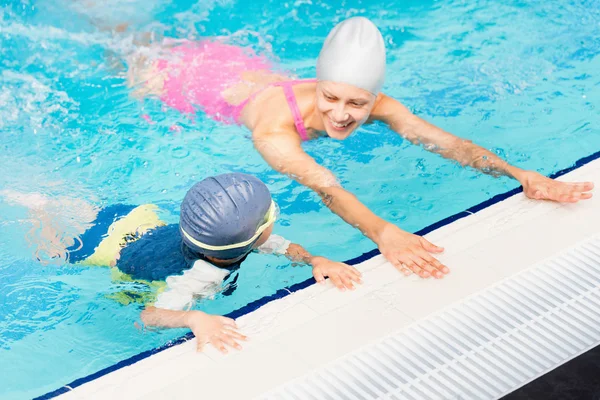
129	52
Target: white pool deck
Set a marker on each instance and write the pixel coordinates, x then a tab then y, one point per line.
291	336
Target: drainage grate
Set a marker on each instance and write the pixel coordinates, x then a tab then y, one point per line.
483	347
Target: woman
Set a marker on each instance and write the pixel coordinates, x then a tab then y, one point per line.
235	86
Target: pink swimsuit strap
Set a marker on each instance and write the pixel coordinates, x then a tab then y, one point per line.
291	100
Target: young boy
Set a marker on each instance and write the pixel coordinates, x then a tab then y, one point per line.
222	219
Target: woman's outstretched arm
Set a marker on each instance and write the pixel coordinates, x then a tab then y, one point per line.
407	252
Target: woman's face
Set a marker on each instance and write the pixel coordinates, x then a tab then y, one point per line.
343	107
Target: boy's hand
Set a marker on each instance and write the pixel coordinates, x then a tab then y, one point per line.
340	274
214	329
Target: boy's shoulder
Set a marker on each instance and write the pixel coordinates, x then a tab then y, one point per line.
156	254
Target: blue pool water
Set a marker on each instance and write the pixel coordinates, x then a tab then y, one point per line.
520	79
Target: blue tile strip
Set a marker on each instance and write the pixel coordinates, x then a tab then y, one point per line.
302	285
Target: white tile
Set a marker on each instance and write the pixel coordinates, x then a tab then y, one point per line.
452	228
371	263
580	219
167	354
333	298
334	334
540	238
115	379
156	376
587	173
120	378
382	275
262	327
488	223
493	223
456	243
243	376
284	303
590	207
417	297
76	394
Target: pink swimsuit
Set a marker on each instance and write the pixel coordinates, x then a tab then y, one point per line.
201	71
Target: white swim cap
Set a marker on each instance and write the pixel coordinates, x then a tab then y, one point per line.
353	53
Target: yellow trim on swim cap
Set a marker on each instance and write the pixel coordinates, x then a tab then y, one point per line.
270	217
139	220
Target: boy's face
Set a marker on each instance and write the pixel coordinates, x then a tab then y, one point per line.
261	240
263	237
223	263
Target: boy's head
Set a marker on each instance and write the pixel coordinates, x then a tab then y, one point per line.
224	217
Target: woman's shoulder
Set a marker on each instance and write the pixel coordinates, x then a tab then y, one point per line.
387	109
276	130
270	112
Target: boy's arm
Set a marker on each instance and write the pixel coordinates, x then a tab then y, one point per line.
203	279
341	275
213	329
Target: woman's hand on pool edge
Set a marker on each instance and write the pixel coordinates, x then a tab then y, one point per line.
410	253
539	187
214	329
341	275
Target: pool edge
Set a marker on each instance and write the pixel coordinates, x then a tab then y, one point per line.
281	293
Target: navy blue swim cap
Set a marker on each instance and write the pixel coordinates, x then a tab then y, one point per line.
224	211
